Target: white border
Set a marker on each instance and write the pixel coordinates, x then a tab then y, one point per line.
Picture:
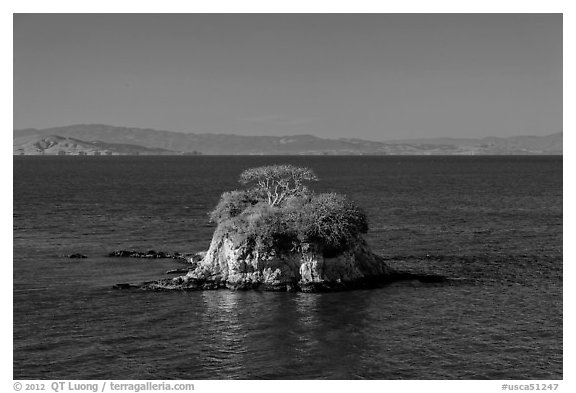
303	6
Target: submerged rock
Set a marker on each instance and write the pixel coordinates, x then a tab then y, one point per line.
152	254
179	271
125	254
139	254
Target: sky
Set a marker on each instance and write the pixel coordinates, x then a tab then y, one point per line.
370	76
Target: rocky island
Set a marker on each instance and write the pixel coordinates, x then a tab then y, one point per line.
278	235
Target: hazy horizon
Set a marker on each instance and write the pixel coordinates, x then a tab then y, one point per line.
369	76
253	135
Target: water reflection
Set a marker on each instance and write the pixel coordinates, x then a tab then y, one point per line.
307	322
223	333
295	335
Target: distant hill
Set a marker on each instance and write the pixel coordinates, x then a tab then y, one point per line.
125	140
57	145
551	144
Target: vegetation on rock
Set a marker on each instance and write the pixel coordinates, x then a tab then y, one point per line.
280	213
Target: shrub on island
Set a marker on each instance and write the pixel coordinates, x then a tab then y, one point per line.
279	212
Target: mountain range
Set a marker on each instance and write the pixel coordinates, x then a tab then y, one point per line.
99	139
58	145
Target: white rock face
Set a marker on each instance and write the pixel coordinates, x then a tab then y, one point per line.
242	266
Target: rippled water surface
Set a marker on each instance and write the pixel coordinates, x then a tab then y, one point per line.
495	222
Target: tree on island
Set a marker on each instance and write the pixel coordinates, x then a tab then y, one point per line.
278	181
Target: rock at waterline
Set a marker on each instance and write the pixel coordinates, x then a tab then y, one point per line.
76	256
140	254
179	271
241	265
190	258
187	283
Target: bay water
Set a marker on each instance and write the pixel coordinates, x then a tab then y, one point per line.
495	223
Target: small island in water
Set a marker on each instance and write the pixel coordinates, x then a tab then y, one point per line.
278	235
